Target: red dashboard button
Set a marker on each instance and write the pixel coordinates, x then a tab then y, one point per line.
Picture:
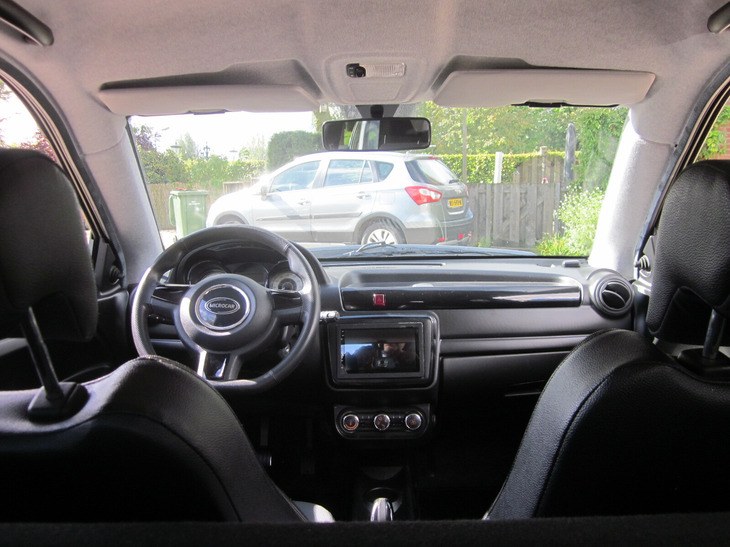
379	300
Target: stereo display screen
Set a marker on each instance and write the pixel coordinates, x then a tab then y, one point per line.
376	351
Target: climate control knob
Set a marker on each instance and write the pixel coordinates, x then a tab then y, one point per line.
381	422
350	422
413	421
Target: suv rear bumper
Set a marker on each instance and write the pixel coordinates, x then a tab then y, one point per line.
457	232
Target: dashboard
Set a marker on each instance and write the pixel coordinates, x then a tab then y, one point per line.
401	336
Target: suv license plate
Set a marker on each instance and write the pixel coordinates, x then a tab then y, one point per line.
456	202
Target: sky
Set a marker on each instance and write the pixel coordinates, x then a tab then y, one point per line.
227	133
223	133
16	124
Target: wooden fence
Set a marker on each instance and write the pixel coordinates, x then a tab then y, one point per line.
514	215
517	214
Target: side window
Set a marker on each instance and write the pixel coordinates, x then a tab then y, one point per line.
296	178
717	143
18	129
341	172
383	169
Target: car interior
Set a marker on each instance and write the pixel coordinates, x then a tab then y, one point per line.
236	385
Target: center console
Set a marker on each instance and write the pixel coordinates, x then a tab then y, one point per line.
383	374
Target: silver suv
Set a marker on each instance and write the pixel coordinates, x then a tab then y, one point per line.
355	197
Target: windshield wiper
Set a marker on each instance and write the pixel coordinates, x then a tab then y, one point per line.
367	246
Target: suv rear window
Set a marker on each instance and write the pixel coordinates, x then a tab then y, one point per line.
430	171
383	168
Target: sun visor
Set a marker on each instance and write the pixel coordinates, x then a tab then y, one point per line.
502	87
159	101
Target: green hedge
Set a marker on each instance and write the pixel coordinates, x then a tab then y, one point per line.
480	167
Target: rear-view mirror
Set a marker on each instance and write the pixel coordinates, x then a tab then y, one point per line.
377	134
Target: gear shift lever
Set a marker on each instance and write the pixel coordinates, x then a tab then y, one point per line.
382	510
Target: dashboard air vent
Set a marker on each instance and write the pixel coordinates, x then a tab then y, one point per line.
613	296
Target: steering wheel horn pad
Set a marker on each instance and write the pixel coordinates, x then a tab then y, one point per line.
227	313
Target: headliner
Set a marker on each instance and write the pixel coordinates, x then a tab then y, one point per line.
107	43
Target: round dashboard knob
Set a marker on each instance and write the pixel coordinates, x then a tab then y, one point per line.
350	422
413	421
381	422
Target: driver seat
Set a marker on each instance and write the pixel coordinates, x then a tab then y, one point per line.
625	426
149	442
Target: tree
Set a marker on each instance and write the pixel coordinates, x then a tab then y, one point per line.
598	131
187	147
41	144
161	167
287	145
519	130
255	149
145	138
715	143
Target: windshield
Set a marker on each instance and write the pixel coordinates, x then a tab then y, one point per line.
496	181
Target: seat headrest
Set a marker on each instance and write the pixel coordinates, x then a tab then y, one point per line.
691	270
45	261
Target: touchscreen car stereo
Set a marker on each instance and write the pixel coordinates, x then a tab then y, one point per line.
365	349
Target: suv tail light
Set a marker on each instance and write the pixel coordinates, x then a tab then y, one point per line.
422	195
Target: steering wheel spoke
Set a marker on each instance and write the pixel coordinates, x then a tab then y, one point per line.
219	366
287	306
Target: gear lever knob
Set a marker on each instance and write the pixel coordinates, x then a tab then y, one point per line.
382	510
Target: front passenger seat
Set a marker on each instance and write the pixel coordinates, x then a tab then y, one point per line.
150	441
622	427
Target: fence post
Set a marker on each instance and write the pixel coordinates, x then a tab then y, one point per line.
570	145
498	161
464	148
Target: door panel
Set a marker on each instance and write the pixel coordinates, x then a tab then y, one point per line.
286	208
346	195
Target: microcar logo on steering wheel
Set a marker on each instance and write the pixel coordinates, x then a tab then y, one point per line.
222	305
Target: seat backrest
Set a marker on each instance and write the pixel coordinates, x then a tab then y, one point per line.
621	427
152	441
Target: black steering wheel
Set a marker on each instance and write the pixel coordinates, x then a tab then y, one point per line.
229	319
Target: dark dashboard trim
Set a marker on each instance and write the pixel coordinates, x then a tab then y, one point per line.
482	346
475	295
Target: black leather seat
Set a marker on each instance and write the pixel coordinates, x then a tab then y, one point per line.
150	441
622	427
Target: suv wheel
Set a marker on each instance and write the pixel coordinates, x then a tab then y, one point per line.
382	230
229	219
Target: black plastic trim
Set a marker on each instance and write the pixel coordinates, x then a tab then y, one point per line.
720	20
455	295
33	29
486	346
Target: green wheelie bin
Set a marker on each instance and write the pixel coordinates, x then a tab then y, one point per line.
187	209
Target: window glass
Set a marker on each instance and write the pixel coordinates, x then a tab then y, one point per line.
296	178
717	142
341	172
383	168
18	129
507	179
430	171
